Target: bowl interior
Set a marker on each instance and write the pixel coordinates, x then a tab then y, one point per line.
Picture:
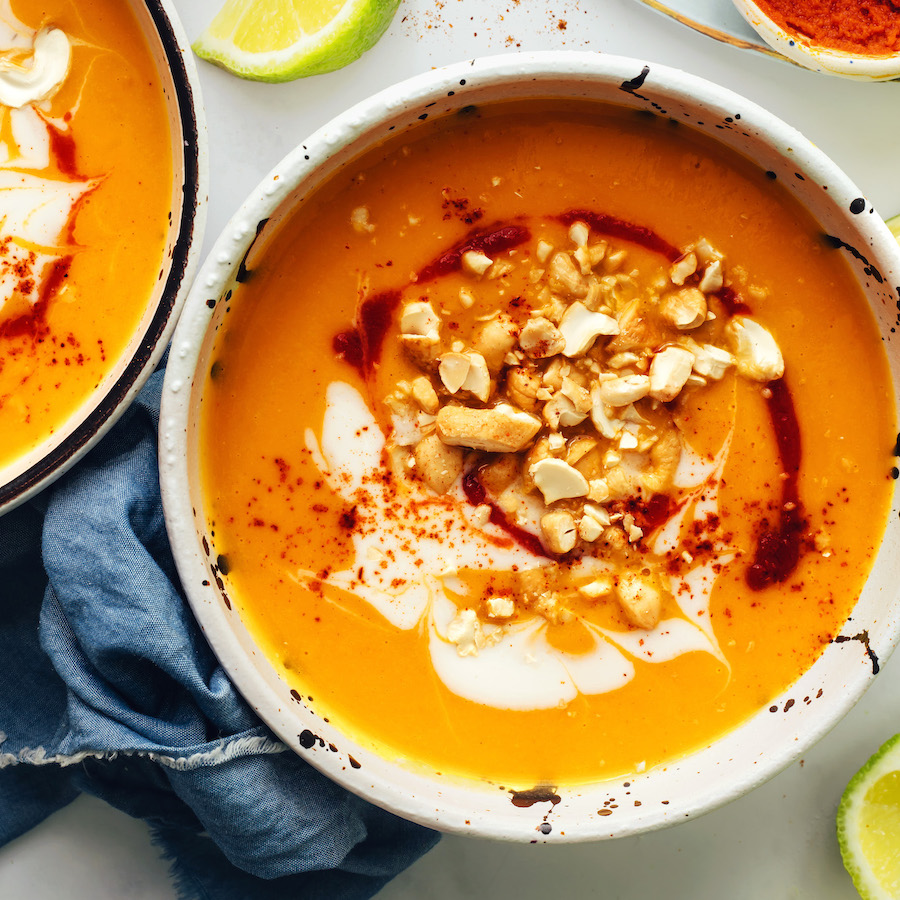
169	48
697	783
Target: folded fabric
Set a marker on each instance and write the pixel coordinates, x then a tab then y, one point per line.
103	666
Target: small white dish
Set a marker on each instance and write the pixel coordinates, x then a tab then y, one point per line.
816	57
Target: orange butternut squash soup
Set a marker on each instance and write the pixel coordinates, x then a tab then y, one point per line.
532	446
86	174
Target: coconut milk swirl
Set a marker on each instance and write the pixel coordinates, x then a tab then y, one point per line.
38	197
406	567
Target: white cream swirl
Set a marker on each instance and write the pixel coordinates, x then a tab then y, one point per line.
38	201
406	558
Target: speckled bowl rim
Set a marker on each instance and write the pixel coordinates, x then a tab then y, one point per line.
704	780
815	57
92	420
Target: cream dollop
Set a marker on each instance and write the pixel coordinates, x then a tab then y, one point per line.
22	84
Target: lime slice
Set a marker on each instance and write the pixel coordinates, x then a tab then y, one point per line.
279	40
868	825
894	225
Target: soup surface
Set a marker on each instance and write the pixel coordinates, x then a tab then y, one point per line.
85	163
531	446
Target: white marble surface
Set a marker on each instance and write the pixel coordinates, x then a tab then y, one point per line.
778	841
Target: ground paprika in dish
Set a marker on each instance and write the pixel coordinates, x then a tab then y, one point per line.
868	27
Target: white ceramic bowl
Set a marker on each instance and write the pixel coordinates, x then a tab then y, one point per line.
813	56
731	766
171	50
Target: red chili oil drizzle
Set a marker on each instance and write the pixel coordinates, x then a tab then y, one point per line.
612	226
34	322
62	147
489	242
732	302
778	550
361	346
648	514
477	495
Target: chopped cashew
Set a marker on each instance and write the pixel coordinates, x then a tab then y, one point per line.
438	464
501	429
580	328
425	395
712	279
624	390
359	219
579	233
475	262
608	426
557	480
422	348
500	607
685	309
589	529
756	353
465	631
711	361
419	318
599	490
465	371
579	396
498	475
557	441
466	298
599	587
522	386
560	532
565	278
665	455
579	447
669	371
454	369
640	599
541	449
496	338
683	268
540	338
561	412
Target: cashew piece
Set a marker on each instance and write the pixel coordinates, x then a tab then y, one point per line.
438	464
501	429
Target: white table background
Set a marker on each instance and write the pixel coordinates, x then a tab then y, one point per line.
778	842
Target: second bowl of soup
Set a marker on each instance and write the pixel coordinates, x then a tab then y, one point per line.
103	169
529	465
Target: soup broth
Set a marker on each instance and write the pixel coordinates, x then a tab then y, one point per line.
85	161
493	614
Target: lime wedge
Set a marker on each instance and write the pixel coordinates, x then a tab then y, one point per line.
279	40
894	225
868	825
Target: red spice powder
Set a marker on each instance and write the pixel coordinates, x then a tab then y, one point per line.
868	27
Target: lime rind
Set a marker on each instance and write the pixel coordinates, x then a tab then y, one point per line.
894	224
884	762
356	29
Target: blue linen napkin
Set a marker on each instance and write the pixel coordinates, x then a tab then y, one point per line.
108	687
